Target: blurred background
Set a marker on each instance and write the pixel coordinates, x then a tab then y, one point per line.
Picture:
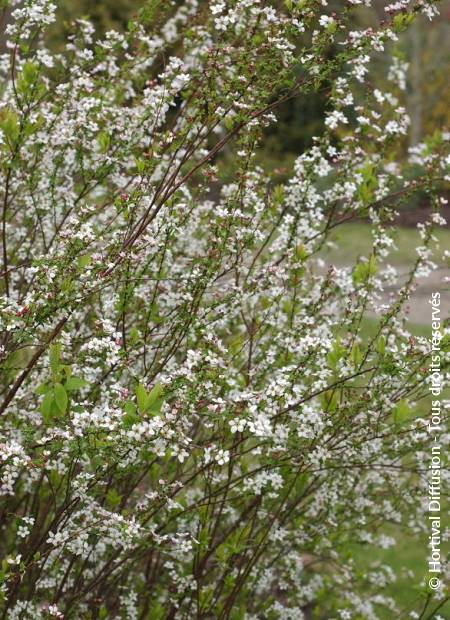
425	46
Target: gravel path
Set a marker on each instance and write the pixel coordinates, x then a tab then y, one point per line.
419	306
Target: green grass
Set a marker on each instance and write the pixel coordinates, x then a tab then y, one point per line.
408	556
355	240
369	328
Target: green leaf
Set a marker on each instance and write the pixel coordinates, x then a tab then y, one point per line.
155	399
113	499
67	285
359	273
61	399
363	271
155	407
9	123
130	408
356	355
330	400
75	383
28	77
367	172
46	406
156	612
331	27
134	335
140	164
104	140
365	193
131	417
42	389
55	355
83	261
141	397
370	182
373	266
149	11
381	345
401	22
278	194
401	412
155	394
30	71
301	252
336	353
102	613
149	402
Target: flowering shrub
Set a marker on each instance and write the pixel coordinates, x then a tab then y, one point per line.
193	421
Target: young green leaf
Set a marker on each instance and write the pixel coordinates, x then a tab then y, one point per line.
381	345
75	383
155	394
55	355
9	123
155	407
113	498
61	398
401	412
336	353
155	399
43	388
131	416
46	406
141	397
84	260
356	355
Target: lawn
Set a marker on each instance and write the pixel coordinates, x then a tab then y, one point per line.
408	560
355	239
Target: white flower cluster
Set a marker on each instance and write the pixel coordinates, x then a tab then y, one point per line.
201	402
